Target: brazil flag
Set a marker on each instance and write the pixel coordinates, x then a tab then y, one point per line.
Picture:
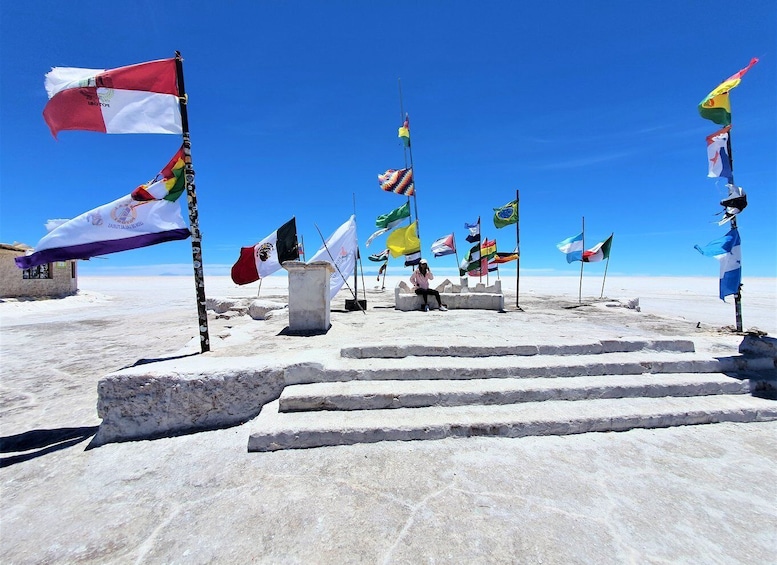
506	215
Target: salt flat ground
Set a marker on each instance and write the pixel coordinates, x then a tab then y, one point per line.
683	495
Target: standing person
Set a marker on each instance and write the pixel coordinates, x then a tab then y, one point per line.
420	281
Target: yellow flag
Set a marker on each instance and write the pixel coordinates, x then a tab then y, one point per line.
404	240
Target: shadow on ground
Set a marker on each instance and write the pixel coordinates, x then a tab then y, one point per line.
42	441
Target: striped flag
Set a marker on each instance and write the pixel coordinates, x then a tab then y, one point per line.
379	257
149	215
598	252
140	98
387	222
263	259
716	106
474	231
502	257
412	259
727	250
444	246
488	249
572	247
471	262
398	181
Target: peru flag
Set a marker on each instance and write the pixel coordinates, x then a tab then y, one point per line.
141	98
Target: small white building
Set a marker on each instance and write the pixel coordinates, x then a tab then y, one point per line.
52	279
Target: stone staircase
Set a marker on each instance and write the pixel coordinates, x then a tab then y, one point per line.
380	393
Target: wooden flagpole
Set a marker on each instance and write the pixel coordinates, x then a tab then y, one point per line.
191	197
738	295
580	289
517	247
480	251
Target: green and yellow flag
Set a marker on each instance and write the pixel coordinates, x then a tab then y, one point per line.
404	132
506	215
716	105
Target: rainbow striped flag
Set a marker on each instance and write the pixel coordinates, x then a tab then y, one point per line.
398	181
167	185
716	106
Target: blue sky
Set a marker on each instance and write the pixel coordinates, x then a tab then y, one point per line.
588	108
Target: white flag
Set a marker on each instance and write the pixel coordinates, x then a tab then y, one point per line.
340	251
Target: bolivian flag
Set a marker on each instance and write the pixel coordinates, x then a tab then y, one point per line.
716	105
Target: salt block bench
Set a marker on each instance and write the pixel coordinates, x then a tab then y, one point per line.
456	297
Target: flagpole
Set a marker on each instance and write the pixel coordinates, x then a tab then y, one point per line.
480	252
409	150
356	263
580	289
517	247
606	266
191	197
455	253
303	248
738	295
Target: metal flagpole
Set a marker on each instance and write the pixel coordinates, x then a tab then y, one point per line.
605	271
409	148
482	260
356	262
517	247
455	252
738	295
191	197
580	289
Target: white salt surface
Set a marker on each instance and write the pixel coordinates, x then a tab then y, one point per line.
693	494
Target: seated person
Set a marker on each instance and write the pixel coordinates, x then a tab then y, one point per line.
420	281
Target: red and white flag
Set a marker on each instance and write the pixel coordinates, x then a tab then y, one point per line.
141	98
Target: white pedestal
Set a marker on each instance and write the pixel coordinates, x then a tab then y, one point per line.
309	295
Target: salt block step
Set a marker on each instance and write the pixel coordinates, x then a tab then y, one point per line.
374	395
523	367
392	351
327	428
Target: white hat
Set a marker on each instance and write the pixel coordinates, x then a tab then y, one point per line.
422	262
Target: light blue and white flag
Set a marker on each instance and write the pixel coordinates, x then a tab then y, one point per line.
572	247
727	250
